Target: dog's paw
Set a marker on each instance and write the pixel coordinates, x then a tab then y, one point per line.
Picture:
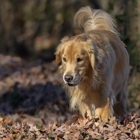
104	113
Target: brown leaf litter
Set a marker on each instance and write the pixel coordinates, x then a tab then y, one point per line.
79	130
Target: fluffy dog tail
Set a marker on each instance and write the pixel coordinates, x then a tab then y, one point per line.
89	19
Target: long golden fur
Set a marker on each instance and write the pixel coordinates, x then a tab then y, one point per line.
95	66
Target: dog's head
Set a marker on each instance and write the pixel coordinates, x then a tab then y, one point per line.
77	57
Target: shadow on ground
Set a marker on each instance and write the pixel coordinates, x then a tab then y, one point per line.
31	90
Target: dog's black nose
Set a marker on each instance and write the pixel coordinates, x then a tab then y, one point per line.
68	78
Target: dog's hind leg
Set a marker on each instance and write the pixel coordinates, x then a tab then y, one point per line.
120	108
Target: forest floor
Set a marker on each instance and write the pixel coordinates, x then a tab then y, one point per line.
33	105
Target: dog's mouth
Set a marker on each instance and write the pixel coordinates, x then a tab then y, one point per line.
71	85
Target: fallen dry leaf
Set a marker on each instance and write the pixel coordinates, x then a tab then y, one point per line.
6	139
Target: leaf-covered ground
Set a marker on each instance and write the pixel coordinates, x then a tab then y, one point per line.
81	129
34	106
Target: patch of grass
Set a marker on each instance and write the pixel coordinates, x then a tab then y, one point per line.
50	136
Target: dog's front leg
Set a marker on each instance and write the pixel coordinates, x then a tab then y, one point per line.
103	111
87	109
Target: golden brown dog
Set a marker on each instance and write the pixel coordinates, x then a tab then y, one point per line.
95	66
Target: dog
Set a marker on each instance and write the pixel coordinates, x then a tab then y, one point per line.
95	66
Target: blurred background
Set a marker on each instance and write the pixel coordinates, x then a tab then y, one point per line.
30	31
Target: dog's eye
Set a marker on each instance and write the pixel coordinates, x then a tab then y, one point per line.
64	59
79	59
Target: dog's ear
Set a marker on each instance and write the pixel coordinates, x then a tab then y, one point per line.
91	52
58	54
59	50
96	54
57	59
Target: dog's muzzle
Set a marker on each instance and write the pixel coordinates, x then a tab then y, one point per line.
71	80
